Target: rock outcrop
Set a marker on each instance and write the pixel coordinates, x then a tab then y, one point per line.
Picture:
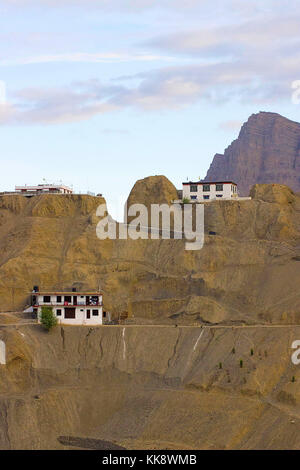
152	190
266	151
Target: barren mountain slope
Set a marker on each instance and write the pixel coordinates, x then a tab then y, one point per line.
248	271
149	387
163	384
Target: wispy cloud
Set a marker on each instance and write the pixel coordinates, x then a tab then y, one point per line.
233	39
168	88
252	58
108	57
78	102
115	131
131	5
230	126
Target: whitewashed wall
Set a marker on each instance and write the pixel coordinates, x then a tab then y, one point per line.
227	192
80	316
2	353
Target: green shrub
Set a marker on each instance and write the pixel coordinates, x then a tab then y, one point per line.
251	352
241	363
186	200
48	319
293	379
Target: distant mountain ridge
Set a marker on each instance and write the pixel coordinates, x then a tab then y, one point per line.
266	151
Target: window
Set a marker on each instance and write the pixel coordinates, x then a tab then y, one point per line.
206	187
70	313
47	299
58	298
104	314
94	300
68	298
205	197
95	313
219	195
193	188
219	187
88	314
193	197
58	312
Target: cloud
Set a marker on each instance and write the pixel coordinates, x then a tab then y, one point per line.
115	131
230	126
253	60
257	35
80	101
252	57
108	57
109	4
169	88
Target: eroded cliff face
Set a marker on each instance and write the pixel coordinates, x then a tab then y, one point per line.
175	379
248	271
149	387
266	151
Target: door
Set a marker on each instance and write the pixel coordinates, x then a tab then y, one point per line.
70	313
88	314
74	299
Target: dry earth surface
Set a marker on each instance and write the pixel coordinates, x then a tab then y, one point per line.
172	378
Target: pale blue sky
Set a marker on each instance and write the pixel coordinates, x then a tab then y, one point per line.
100	93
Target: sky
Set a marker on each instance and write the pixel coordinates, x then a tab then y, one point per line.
100	93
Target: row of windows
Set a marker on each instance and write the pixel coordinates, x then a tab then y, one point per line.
67	298
95	313
194	198
205	187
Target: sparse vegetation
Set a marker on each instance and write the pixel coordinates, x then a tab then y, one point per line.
48	319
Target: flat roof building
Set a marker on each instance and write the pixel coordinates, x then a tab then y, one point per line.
209	190
43	188
72	307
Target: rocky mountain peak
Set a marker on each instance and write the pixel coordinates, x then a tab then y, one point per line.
267	150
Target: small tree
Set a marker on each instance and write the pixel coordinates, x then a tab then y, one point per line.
251	352
48	319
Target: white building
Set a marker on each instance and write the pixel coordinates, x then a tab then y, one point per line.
207	191
71	308
43	188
